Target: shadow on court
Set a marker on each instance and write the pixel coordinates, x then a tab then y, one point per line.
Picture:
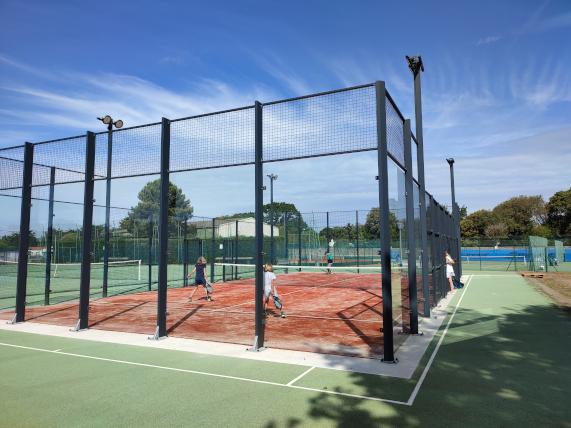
504	365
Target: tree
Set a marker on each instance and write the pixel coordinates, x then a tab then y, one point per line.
179	207
372	226
521	214
559	213
475	224
12	240
496	230
463	211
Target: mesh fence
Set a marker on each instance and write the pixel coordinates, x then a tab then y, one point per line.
559	251
320	125
336	123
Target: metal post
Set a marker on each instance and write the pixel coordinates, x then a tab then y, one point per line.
385	233
286	243
163	231
213	249
416	66
259	200
25	208
432	248
456	219
411	242
327	231
185	253
150	251
236	251
272	177
357	237
299	241
49	238
86	254
107	209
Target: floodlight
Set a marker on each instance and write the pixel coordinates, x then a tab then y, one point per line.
107	120
118	124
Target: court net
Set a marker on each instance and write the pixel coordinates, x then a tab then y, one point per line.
123	269
363	277
501	259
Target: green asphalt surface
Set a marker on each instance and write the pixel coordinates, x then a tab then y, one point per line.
503	362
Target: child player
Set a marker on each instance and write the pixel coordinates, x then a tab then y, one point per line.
200	278
270	288
329	255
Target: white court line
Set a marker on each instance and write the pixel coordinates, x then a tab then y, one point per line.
300	376
243	379
433	356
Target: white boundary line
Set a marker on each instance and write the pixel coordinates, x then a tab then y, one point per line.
290	383
414	393
243	379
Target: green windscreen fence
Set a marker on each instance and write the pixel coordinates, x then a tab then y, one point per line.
538	253
559	252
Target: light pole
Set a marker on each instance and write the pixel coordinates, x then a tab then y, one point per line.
456	217
272	178
107	120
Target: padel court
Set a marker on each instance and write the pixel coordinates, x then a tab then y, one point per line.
328	313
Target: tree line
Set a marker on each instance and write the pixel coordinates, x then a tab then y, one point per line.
521	216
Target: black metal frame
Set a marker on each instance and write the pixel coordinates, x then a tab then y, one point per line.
163	232
441	233
385	235
411	242
85	281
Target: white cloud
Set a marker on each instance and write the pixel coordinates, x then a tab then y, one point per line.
488	40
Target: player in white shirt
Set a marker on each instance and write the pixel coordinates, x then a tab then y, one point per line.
449	269
270	288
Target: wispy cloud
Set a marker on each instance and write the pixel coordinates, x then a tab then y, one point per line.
75	100
488	40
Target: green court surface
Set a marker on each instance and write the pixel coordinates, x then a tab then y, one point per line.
502	359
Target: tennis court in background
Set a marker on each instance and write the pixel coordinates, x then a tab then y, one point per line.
331	313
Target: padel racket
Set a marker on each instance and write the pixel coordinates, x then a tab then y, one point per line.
277	302
208	287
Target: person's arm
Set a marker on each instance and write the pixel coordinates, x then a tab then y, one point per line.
191	273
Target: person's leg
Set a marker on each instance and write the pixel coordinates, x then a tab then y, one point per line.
193	291
451	283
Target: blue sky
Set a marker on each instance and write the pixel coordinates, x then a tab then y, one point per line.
496	90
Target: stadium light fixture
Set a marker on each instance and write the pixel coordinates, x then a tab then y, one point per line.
108	120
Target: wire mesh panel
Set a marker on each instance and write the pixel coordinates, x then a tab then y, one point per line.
136	151
67	155
213	141
339	122
395	130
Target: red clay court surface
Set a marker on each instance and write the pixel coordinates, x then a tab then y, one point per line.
326	313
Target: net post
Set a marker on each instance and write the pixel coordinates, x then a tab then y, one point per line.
49	238
150	252
411	241
85	281
185	253
106	233
299	241
213	249
25	208
163	231
259	201
385	238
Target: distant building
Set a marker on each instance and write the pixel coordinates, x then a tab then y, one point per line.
227	228
37	251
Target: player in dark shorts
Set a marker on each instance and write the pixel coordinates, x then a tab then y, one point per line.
200	278
329	255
